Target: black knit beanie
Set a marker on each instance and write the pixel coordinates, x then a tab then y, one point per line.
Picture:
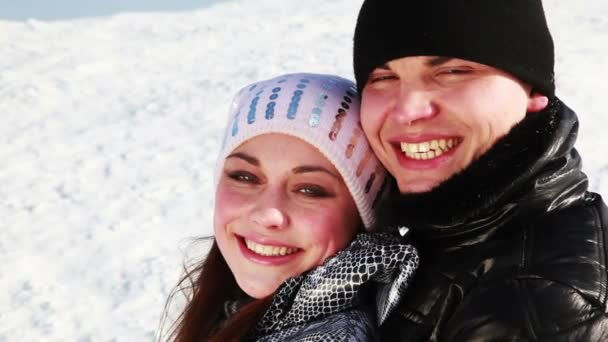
510	35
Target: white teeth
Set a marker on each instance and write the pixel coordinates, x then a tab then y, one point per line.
428	149
266	250
443	144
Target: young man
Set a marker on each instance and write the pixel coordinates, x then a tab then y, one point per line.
459	104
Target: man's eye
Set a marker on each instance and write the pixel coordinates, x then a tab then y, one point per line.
242	176
380	78
455	71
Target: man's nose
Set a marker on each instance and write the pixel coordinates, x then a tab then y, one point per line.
413	105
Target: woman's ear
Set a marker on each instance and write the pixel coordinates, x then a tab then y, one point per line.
537	102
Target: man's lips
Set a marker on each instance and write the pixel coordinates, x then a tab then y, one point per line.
425	152
428	149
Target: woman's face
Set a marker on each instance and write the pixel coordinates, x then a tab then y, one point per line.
281	208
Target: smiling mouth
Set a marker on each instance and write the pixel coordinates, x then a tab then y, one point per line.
429	149
268	250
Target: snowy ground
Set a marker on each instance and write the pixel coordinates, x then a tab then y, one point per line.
109	133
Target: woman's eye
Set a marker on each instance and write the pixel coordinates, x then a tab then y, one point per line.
242	176
313	191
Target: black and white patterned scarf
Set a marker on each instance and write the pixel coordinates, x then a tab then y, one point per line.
324	304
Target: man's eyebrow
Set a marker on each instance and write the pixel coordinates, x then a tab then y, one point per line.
250	159
384	67
436	61
313	168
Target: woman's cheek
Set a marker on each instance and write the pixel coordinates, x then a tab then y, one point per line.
330	230
228	206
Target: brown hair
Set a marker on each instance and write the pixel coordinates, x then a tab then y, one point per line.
209	285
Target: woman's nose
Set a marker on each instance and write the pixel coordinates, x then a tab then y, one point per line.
270	211
269	217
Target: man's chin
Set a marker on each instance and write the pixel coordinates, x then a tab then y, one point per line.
418	186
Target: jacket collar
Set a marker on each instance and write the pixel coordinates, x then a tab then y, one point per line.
533	168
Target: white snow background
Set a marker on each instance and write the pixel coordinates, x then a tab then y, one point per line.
108	134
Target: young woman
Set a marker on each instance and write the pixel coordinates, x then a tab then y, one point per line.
296	183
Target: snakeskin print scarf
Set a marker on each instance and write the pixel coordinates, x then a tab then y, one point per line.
324	304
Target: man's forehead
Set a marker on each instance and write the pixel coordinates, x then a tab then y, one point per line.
437	60
430	61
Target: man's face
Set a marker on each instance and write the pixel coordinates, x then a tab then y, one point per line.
428	118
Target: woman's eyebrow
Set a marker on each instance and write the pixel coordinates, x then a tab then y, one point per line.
313	168
250	159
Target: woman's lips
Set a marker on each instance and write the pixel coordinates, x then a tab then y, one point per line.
269	250
267	254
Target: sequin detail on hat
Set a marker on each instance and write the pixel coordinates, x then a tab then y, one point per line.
295	100
253	106
270	107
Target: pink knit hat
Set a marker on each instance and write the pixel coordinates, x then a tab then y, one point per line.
322	110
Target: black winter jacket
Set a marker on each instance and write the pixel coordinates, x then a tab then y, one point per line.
511	249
